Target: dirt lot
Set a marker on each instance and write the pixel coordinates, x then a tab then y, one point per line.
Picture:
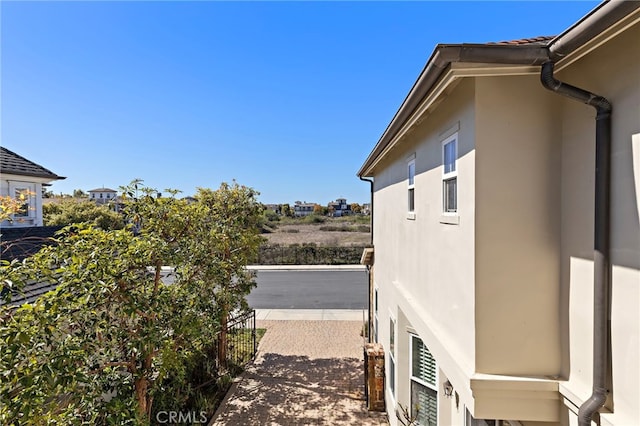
301	233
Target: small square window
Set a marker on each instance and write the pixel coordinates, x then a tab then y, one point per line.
450	189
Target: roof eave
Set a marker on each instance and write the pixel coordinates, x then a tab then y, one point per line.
600	19
441	59
35	175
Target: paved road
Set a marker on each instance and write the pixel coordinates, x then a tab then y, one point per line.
310	289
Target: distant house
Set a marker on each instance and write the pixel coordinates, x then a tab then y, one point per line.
301	209
277	208
20	176
102	195
339	207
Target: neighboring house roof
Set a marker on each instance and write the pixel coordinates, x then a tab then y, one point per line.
14	164
524	55
29	293
102	190
18	243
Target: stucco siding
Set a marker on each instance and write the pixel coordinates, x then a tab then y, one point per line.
425	267
613	71
517	228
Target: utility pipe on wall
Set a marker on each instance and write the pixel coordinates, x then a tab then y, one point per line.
370	204
370	320
602	278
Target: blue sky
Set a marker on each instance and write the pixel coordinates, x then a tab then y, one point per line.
286	97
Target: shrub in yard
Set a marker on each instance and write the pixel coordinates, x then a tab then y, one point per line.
314	218
70	211
112	338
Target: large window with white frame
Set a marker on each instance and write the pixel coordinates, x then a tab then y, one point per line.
411	183
424	383
392	356
450	174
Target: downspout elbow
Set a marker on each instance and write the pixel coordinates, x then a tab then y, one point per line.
370	204
591	406
601	104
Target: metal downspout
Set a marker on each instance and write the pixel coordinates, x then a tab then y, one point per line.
370	204
602	278
370	314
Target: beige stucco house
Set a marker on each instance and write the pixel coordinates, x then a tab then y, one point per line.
506	279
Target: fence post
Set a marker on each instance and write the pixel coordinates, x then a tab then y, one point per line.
253	332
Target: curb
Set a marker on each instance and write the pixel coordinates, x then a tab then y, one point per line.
306	267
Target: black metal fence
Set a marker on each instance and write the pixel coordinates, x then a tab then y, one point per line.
241	339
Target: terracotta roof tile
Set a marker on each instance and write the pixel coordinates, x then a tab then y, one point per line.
523	41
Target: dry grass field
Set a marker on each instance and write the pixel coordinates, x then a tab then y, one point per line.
331	233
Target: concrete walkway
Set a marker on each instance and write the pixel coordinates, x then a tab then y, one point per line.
307	372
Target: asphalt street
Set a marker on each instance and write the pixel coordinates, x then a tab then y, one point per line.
310	289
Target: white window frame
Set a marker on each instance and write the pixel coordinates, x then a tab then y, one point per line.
450	175
375	314
392	356
15	188
434	387
411	185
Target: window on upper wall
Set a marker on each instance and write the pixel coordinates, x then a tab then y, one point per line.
424	386
24	197
25	194
450	174
411	178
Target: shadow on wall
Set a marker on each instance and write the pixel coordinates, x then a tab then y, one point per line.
296	390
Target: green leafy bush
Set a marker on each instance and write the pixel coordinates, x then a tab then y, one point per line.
314	218
113	338
70	211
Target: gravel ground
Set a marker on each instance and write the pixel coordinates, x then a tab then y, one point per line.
306	373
